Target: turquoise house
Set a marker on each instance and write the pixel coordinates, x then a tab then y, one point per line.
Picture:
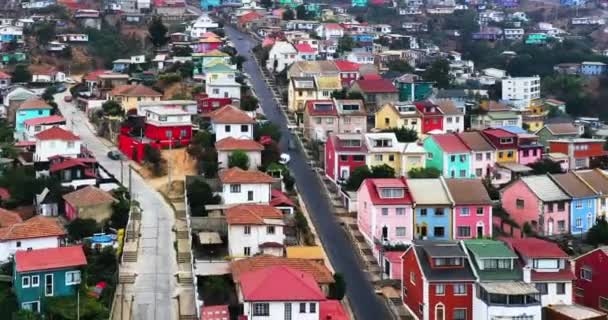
412	88
30	109
359	3
447	153
210	4
432	209
45	273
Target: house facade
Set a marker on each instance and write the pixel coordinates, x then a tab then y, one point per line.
168	126
583	202
130	95
483	154
376	92
36	125
432	209
580	151
230	122
241	186
472	210
504	142
251	148
34	233
56	141
597	181
383	148
399	115
448	154
343	154
589	288
255	229
320	119
30	109
432	118
89	203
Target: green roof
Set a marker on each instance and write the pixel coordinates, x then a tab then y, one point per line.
483	248
502	115
219	68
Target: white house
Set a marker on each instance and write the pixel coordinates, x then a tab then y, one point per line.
242	186
56	141
35	233
227	146
222	83
521	89
45	74
361	57
202	25
330	31
73	37
282	55
453	117
36	125
255	229
230	122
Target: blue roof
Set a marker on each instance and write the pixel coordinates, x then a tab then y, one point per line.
513	129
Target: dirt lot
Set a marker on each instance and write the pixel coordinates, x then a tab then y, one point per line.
180	163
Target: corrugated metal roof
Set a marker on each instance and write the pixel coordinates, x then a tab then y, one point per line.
428	191
544	188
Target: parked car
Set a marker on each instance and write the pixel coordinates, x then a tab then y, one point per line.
284	158
115	155
67	98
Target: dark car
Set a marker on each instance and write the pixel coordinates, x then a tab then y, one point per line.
115	155
60	88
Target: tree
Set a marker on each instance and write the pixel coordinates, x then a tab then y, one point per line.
399	66
186	69
82	228
404	134
598	234
45	32
182	51
21	74
26	315
270	154
204	138
209	163
120	208
200	194
48	93
545	166
249	103
382	171
266	3
238	60
438	72
302	13
420	173
266	129
158	32
357	177
346	43
288	15
238	158
337	290
112	108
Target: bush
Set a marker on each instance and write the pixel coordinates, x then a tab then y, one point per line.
169	78
200	194
112	108
82	228
153	157
420	173
238	159
337	290
289	181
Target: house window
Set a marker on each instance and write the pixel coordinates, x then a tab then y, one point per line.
561	206
235	188
227	128
586	274
378	157
488	155
250	195
385	211
400	211
302	307
439	232
318	120
329	120
439	312
25	282
439	211
429	155
423	212
261	309
479	156
589	203
500	154
343	158
71	144
247	251
48	285
464	211
169	134
270	230
439	289
519	203
35	281
578	204
464	232
72	277
579	292
244	128
18	244
561	225
359	158
413	278
387	121
603	303
312	307
560	288
463	173
460	314
460	289
400	231
479	172
216	91
452	158
542	288
462	158
391	158
247	229
479	211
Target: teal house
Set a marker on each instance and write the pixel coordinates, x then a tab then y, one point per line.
447	153
537	38
30	109
210	4
359	3
40	274
412	88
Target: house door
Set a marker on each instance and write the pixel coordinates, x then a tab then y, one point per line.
479	231
344	172
422	232
550	227
384	233
288	311
387	267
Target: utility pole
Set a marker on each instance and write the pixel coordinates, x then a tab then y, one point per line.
130	182
78	305
121	172
169	162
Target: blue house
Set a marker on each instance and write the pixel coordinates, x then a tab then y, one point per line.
44	273
30	109
210	4
583	206
592	68
432	209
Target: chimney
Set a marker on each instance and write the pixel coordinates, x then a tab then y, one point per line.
527	274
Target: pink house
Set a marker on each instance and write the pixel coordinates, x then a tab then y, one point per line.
385	211
529	149
320	119
483	154
472	208
539	201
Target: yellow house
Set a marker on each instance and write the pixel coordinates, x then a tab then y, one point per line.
130	95
300	90
413	157
506	155
397	116
384	148
534	116
326	85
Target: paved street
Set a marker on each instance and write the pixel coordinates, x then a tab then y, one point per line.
156	266
364	302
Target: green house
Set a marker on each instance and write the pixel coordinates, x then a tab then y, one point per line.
537	38
203	60
40	274
359	3
412	89
10	57
447	153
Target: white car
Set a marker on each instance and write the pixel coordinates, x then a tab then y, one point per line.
70	81
284	158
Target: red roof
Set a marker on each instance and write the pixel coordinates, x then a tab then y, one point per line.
334	26
339	147
56	133
279	283
536	248
315	112
25	143
347	66
304	48
371	76
563	274
93	75
422	105
393	256
278	198
220	312
376	86
230	143
248	17
499	133
44	120
373	185
4	75
332	310
51	258
256	214
238	175
450	143
68	163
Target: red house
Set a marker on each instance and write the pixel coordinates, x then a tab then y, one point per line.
590	286
437	281
343	154
432	118
207	104
349	72
580	151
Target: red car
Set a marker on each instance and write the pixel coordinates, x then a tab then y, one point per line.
67	98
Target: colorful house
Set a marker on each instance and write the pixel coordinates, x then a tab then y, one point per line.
413	157
130	95
343	154
30	109
207	44
320	119
384	209
539	201
504	142
598	181
352	116
300	90
432	118
437	281
210	4
89	203
453	116
399	115
579	150
384	148
529	150
349	72
43	273
412	88
583	203
39	232
500	290
483	154
472	210
376	92
556	131
432	209
447	153
169	126
591	277
220	81
203	60
359	3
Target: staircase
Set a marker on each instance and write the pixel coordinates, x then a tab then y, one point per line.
181	234
184	257
129	256
185	278
124	278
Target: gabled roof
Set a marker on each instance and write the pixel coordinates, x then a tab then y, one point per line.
475	141
304	48
428	192
70	163
499	133
9	218
4	75
94	75
347	66
34	103
44	120
376	86
230	115
279	199
238	175
448	107
253	214
329	82
339	146
573	185
270	284
535	248
559	129
49	259
332	310
468	191
56	133
425	249
596	179
373	185
487	249
36	227
450	143
135	90
88	196
320	273
232	144
544	188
